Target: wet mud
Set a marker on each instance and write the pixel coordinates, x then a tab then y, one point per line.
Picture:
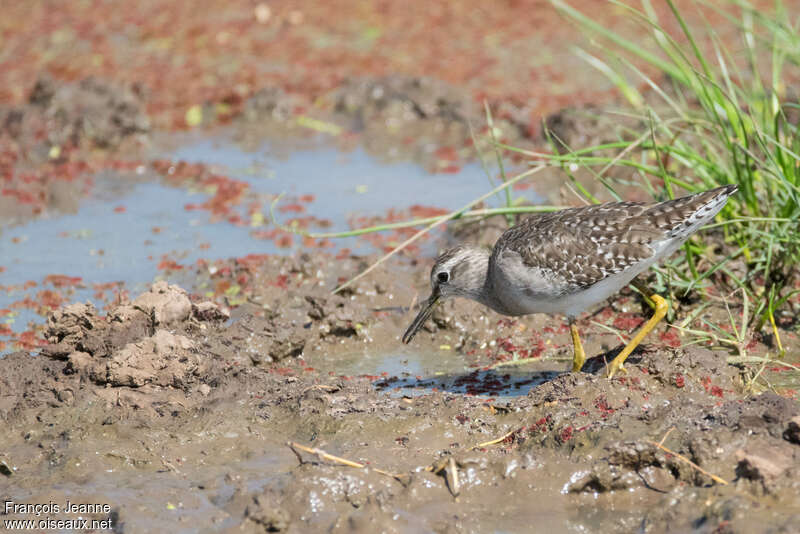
206	415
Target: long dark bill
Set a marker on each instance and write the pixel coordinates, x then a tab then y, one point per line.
422	316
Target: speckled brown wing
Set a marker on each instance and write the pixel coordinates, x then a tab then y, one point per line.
581	246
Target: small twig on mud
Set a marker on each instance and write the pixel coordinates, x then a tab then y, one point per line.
452	477
450	468
660	443
322	455
169	467
494	441
299	458
713	477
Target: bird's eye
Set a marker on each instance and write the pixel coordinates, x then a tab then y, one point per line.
443	277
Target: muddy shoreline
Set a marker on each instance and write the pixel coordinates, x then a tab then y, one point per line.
168	397
178	408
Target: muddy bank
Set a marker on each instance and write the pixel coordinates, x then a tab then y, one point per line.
191	412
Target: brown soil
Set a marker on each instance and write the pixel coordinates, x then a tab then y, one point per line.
170	412
178	411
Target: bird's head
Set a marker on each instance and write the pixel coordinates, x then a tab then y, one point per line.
457	272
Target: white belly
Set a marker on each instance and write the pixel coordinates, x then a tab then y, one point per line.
519	290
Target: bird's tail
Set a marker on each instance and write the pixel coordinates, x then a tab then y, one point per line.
683	216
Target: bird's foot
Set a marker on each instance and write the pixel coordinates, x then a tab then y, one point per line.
615	367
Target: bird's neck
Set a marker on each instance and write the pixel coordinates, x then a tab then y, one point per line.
473	278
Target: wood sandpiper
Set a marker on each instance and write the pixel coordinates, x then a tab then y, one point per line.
566	261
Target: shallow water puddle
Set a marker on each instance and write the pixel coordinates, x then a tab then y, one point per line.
126	234
419	373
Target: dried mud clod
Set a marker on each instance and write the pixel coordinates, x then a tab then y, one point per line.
792	432
133	345
765	464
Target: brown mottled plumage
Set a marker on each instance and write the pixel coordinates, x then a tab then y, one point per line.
582	246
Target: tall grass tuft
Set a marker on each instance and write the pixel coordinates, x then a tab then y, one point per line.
715	116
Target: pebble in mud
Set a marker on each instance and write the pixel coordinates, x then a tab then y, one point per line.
267	513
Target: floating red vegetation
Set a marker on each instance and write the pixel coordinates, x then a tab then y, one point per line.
27	302
168	264
282	281
710	388
120	209
605	313
293	208
541	425
228	193
420	212
22	197
221	286
251	262
523	185
627	321
62	280
446	153
449	169
105	286
505	344
5	330
50	299
289	43
670	338
28	341
266	235
601	404
284	240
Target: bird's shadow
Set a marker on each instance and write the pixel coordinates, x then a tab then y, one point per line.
598	365
504	381
483	382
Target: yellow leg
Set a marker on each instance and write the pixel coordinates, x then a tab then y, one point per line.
579	356
660	311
